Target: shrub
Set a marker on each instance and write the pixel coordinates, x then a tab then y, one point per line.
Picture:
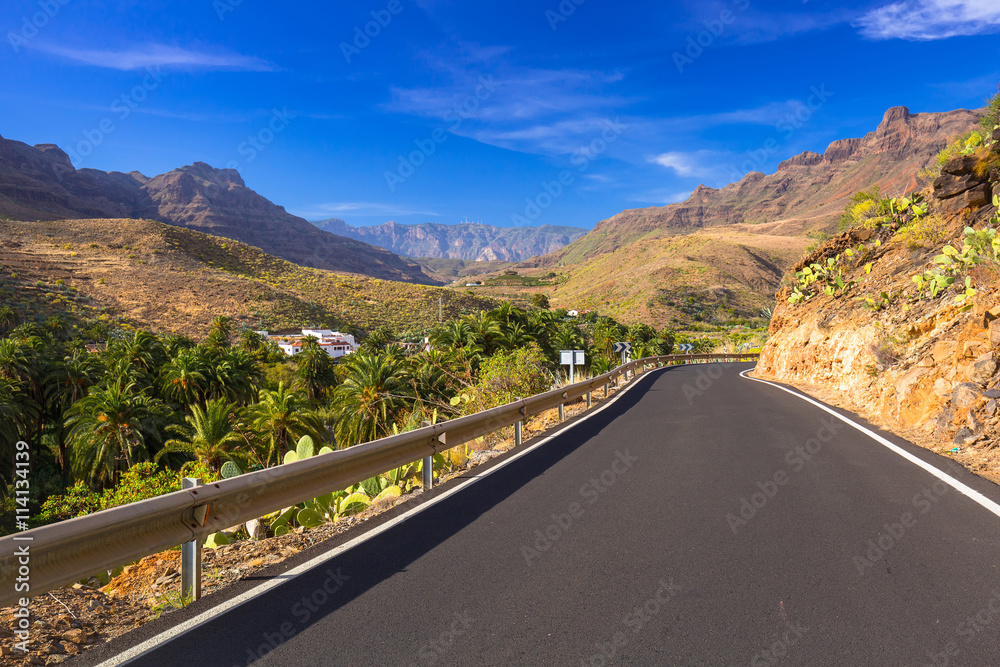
925	232
539	300
866	208
510	375
963	145
991	117
140	482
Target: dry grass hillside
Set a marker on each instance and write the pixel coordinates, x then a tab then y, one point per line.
171	279
713	276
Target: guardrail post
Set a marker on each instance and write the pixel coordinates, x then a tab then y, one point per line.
191	557
590	401
427	468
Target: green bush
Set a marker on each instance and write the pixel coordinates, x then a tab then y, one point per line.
991	118
510	375
963	145
140	482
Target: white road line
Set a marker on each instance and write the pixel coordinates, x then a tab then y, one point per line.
229	605
944	477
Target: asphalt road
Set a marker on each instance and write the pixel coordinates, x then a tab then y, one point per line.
695	521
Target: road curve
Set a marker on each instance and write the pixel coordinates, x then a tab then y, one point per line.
700	519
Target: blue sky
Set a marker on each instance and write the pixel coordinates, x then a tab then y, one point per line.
515	112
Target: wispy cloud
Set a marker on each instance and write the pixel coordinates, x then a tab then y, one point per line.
661	197
480	93
757	25
359	209
694	164
157	55
931	19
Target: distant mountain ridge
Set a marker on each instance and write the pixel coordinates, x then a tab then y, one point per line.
468	241
807	192
40	183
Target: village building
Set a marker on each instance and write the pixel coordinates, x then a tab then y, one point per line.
334	343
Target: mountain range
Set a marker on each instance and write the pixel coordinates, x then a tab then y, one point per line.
807	192
40	183
714	258
720	255
468	241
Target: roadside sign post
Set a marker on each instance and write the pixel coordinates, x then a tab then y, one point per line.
625	349
572	358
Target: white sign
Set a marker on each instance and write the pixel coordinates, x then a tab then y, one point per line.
571	358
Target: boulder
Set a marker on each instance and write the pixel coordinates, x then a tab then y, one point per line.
965	437
960	164
991	408
973	199
995	333
966	395
983	369
951	185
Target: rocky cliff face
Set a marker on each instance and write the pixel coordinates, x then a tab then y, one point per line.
40	183
474	242
807	191
924	366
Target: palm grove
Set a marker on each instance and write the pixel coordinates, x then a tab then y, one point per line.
125	422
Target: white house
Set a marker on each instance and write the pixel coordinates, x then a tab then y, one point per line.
334	343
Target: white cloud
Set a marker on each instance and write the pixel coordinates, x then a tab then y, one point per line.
688	164
931	19
661	197
158	55
480	94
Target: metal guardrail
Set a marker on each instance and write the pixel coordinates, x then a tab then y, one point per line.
68	551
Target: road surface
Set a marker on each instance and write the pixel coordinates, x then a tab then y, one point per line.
701	518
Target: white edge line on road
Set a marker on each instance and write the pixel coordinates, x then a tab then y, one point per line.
943	476
224	607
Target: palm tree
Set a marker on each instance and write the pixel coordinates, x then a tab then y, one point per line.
283	416
508	314
221	332
451	336
184	379
251	341
8	318
112	428
208	434
67	383
137	356
234	374
484	331
517	336
315	369
373	394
